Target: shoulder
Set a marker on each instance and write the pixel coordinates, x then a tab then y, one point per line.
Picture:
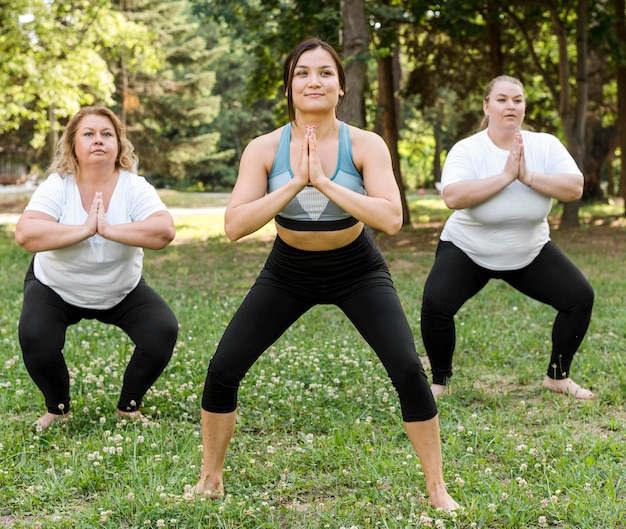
542	140
470	144
266	142
366	143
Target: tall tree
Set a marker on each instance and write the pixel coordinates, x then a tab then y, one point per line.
620	31
355	44
51	62
169	110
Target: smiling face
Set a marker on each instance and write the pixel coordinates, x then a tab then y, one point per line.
307	61
505	105
95	141
315	84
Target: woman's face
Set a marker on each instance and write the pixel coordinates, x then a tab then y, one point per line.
95	142
506	106
315	83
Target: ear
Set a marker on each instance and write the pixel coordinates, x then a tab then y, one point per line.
341	92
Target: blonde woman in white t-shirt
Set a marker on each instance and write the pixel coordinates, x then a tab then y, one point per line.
87	225
501	182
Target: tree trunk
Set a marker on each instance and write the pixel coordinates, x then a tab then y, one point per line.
356	40
388	120
620	10
573	125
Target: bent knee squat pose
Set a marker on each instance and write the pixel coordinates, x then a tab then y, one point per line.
501	182
87	225
321	180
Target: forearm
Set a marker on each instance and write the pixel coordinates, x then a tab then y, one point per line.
153	233
470	193
244	218
563	187
380	213
37	235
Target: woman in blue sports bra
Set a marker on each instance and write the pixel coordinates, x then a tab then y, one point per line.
321	181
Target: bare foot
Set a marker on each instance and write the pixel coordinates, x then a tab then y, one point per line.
131	415
438	390
567	386
213	490
48	418
440	499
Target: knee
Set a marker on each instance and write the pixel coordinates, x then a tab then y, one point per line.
583	297
164	334
220	389
408	374
434	304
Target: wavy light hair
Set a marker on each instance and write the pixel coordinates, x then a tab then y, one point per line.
65	161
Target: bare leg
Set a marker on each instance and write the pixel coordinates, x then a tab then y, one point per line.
567	386
425	438
217	431
438	390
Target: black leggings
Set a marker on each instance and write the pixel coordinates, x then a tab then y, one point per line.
142	314
551	278
355	278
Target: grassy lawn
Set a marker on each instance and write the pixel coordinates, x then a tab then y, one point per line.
319	441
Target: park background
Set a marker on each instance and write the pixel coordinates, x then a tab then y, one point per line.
319	440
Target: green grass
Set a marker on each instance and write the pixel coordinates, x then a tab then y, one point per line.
319	441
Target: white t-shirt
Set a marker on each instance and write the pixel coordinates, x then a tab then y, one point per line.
95	273
507	231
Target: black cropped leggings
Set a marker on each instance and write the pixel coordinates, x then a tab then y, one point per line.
143	315
355	278
551	278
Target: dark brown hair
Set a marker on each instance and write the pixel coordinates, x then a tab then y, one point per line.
292	61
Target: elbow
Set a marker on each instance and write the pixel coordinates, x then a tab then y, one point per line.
233	231
578	192
451	201
575	192
393	228
165	238
233	235
23	240
169	235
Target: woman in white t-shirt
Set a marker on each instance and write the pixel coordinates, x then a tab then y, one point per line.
87	225
501	182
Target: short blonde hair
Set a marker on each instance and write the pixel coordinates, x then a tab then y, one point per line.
65	161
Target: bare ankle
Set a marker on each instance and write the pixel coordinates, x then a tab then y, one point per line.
439	498
209	487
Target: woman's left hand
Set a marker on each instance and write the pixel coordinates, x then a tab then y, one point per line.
316	173
103	224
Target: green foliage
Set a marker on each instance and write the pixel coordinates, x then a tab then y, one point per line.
52	58
319	441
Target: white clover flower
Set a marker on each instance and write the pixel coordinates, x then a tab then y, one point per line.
426	521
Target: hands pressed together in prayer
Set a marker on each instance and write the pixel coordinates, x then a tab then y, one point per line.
516	163
309	170
97	220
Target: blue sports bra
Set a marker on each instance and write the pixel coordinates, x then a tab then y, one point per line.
310	209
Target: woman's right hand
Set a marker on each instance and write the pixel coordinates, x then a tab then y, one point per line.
301	174
92	217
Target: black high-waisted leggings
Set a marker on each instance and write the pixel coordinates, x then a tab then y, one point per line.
551	278
355	278
142	314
